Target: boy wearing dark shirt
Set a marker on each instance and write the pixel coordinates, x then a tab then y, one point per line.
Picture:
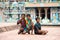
37	28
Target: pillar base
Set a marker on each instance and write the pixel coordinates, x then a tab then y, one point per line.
45	20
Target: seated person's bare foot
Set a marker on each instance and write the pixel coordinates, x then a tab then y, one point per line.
45	32
24	32
19	33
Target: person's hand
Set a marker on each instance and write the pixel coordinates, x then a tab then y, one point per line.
21	28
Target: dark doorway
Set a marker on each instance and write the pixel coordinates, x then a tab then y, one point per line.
42	13
37	12
48	13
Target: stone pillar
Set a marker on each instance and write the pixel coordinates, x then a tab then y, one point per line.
5	0
1	0
39	9
45	12
50	0
35	1
51	13
42	0
14	0
32	13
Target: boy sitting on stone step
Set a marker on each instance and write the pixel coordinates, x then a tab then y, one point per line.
37	27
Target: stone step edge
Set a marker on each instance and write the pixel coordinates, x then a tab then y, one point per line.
9	28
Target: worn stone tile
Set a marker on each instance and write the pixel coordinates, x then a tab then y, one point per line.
53	34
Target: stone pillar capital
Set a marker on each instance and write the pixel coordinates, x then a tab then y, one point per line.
39	8
45	8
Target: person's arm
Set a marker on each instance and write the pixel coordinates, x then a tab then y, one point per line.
18	22
40	27
32	24
37	28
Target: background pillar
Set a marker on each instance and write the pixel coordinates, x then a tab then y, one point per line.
45	12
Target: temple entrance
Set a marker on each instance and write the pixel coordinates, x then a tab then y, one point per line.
43	12
40	12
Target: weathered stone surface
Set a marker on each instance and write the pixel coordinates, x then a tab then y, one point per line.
4	29
53	34
13	27
1	30
9	28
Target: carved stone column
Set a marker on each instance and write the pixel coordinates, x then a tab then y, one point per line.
45	12
39	9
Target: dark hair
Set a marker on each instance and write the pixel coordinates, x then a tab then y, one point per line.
22	14
37	18
28	15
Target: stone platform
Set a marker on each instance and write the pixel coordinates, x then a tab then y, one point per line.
12	26
8	27
53	34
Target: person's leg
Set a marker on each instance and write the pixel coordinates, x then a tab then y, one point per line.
31	28
25	30
43	32
28	30
21	30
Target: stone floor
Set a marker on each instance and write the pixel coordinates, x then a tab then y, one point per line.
53	34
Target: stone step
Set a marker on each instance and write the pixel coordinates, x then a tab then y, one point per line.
8	28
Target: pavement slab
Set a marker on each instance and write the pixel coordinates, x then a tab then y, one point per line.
53	34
